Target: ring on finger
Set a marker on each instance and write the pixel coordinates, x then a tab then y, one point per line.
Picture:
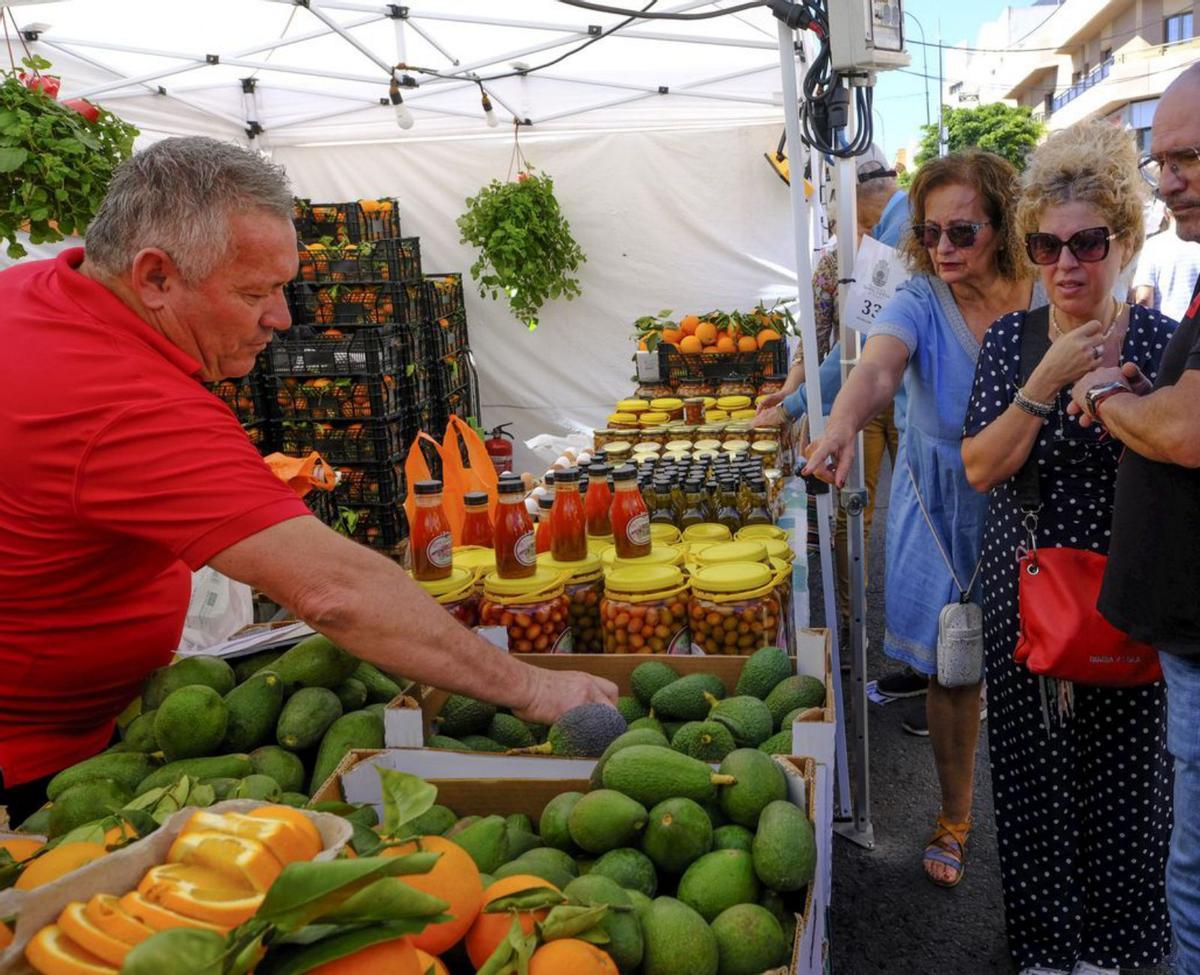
1097	351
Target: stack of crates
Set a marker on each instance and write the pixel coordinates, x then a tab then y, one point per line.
449	363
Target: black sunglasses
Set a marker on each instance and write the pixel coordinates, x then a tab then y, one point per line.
961	235
1087	246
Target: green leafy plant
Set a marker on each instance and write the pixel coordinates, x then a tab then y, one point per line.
526	251
1007	131
56	159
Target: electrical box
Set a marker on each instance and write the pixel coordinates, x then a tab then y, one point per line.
867	35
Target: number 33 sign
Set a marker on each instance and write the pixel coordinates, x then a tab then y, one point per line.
878	272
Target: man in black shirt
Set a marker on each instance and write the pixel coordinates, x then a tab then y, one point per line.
1152	585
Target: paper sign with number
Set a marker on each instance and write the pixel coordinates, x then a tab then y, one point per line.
878	272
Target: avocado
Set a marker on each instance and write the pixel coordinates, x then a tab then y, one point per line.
749	940
314	662
510	732
464	716
717	881
639	900
446	743
381	689
139	733
256	786
650	723
253	708
604	820
758	781
762	671
281	765
795	692
712	809
624	932
635	736
631	708
305	718
518	821
536	868
554	821
246	667
791	718
748	719
210	671
85	803
126	768
651	773
551	857
191	722
297	800
520	841
733	837
649	678
630	868
214	767
684	699
678	831
38	822
433	822
462	824
352	693
358	729
773	904
677	940
584	731
486	841
779	743
222	787
785	850
481	743
707	741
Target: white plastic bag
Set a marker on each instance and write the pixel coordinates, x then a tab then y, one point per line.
218	609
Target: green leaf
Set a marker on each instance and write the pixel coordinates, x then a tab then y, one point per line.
530	899
388	899
570	921
297	960
12	159
405	797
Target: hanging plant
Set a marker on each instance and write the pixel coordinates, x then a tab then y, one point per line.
526	251
56	158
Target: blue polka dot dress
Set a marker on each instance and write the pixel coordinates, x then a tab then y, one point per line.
1082	800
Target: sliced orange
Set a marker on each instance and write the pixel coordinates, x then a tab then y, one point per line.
105	912
245	861
58	862
20	848
199	893
52	953
288	843
161	918
76	925
298	821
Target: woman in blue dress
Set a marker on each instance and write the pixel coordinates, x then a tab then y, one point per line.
968	271
1081	775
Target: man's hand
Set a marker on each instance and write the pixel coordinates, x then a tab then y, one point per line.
1129	374
554	692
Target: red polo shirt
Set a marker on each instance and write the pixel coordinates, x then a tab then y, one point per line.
119	475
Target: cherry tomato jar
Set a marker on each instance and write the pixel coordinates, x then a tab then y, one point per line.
735	608
535	611
584	590
457	595
645	610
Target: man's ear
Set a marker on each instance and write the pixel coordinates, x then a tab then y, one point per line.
152	275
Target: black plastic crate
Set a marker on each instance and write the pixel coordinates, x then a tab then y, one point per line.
263	435
446	335
395	259
354	221
347	442
244	396
340	398
382	526
673	365
322	504
443	294
451	371
394	350
370	484
379	303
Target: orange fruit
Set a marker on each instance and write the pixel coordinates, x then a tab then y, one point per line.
52	953
711	350
706	332
455	879
105	912
672	335
768	335
245	862
490	929
77	926
726	344
19	848
688	324
747	343
690	345
120	835
161	918
284	840
58	863
298	821
6	935
430	965
396	957
199	893
642	347
571	955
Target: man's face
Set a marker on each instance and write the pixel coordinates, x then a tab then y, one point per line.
1177	126
227	319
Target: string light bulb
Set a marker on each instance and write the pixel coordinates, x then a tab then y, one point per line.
404	116
488	112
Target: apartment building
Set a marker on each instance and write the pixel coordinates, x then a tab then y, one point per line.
1074	59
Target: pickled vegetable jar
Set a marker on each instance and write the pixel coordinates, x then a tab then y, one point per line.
602	438
772	384
659	555
584	589
715	415
766	451
670	405
635	406
748	551
476	560
735	608
619	451
645	610
623	421
653	418
534	611
693	409
456	594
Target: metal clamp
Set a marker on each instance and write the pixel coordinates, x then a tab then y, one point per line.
854	502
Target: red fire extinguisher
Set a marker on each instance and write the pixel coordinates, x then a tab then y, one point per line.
500	450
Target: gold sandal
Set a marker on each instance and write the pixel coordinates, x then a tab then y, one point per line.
950	854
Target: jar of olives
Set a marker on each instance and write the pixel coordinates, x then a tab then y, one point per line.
456	594
645	610
535	611
735	608
771	384
584	589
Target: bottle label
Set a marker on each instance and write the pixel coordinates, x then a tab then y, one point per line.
565	643
440	551
638	530
525	550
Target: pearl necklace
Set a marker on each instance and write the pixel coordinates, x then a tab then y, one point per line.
1112	324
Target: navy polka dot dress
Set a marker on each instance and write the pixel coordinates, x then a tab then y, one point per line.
1083	801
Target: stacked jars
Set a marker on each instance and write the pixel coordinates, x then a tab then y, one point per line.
456	594
735	607
535	611
645	610
584	589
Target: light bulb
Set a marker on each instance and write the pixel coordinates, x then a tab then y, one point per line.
404	118
488	113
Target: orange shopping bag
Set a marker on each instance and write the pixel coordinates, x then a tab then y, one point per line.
476	472
303	474
416	468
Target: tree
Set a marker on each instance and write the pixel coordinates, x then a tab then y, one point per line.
999	128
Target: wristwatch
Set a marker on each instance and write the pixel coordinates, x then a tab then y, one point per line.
1098	394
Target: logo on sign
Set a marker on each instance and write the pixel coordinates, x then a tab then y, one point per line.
879	273
526	549
638	529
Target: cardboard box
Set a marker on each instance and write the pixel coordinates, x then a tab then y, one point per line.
484	784
814	735
403	725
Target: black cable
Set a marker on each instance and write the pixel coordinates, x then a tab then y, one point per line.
637	14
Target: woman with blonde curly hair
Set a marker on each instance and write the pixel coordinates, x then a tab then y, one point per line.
1081	776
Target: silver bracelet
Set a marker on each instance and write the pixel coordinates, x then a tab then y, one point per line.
1043	411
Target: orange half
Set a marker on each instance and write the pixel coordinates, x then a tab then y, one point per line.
105	912
163	918
76	925
51	952
62	860
199	893
246	862
283	839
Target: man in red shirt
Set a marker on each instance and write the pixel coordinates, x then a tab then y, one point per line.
123	474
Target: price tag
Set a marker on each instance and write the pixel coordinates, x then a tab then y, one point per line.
878	272
497	636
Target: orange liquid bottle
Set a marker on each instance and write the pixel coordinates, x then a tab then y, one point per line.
545	530
516	551
477	525
598	501
630	518
431	543
568	518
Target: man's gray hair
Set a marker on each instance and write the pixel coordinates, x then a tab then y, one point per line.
178	195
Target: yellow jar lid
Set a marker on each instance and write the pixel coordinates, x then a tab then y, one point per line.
732	552
781	567
765	447
599	544
659	555
619	447
633	406
710	531
474	558
777	548
710	402
459	581
544	583
716	416
731	577
675	446
589	565
654	419
668	404
664	535
736	446
627	419
733	402
762	531
743	414
759	400
708	445
644	578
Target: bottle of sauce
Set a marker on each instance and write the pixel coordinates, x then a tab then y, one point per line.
516	548
630	519
694	513
477	524
727	512
431	544
568	518
664	504
598	501
758	513
545	529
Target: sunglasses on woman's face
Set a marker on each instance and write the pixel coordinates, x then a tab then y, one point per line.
1087	246
962	235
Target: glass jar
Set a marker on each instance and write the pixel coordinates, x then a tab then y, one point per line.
657	435
646	447
735	608
476	560
636	406
684	431
750	551
678	447
692	386
652	391
653	419
766	451
602	438
713	415
664	535
645	610
710	403
708	446
623	421
534	611
710	431
708	532
735	446
764	435
742	416
762	532
736	386
670	405
693	409
584	589
772	384
736	399
619	452
660	554
456	594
